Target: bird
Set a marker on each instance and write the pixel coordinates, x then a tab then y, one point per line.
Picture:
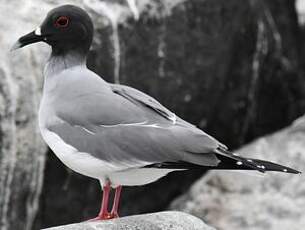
111	132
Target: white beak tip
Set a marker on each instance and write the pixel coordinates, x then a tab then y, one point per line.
17	45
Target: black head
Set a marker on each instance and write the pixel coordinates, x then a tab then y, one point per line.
66	28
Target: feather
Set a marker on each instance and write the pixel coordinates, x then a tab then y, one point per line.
229	161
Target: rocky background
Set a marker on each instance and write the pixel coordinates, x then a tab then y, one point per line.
239	201
234	68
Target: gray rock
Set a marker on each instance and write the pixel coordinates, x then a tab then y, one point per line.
212	62
239	201
22	151
154	221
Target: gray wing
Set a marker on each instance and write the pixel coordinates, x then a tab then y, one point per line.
142	99
141	131
145	100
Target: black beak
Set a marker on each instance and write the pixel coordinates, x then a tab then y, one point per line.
27	39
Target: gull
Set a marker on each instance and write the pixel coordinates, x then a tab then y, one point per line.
115	133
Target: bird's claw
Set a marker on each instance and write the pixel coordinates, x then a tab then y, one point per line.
105	216
114	215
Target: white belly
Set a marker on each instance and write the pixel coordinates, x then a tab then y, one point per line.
80	162
88	165
137	176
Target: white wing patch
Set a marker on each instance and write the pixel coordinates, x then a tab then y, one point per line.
125	124
137	124
154	126
141	124
86	130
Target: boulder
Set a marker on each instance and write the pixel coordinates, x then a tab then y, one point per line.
246	201
154	221
218	64
22	151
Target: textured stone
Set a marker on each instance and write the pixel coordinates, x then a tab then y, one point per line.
22	151
243	201
218	64
154	221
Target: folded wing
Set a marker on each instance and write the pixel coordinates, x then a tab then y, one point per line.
140	132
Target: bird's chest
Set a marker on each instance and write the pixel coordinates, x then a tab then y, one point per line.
81	162
46	114
47	118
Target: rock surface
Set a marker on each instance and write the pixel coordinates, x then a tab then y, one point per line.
22	151
219	64
242	201
154	221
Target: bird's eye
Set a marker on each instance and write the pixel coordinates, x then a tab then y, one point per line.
61	22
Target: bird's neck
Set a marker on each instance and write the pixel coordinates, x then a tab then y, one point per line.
58	63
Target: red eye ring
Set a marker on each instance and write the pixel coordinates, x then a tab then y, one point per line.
61	22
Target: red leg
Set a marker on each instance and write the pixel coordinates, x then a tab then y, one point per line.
104	214
114	211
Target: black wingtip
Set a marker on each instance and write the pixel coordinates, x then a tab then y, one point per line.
293	171
270	166
290	170
252	164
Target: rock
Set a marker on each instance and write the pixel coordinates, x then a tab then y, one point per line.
218	64
22	151
300	7
154	221
240	201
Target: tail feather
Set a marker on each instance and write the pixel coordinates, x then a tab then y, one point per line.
230	160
